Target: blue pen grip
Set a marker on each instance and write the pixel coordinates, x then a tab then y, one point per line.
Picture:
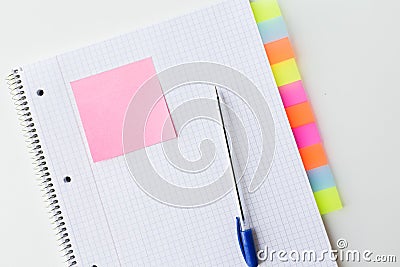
246	244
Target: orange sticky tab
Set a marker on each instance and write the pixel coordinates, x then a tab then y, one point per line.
300	114
313	156
279	51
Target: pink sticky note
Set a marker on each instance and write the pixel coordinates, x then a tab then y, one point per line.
306	135
292	94
103	100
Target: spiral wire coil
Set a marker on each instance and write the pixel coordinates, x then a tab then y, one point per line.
40	166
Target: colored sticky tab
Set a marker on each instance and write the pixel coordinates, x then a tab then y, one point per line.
306	135
300	114
292	94
265	9
286	72
313	156
280	54
328	200
103	100
279	51
272	30
321	178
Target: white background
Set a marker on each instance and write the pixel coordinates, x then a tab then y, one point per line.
348	55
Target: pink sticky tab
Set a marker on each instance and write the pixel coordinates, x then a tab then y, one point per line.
306	135
292	93
103	100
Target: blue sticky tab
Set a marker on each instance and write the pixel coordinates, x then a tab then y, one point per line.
272	30
246	244
321	178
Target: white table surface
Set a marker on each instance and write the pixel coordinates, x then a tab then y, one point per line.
348	54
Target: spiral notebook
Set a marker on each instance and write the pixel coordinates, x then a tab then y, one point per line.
74	109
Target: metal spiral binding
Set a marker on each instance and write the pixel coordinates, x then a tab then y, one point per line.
39	161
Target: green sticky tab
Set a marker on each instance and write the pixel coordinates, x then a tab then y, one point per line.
328	200
286	72
265	9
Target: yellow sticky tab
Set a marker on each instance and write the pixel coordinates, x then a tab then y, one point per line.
286	72
265	9
328	200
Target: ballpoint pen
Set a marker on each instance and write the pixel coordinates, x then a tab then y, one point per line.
244	231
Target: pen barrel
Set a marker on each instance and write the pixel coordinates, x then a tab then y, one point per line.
244	224
246	244
250	255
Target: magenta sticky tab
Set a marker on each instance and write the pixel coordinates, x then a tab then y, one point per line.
292	94
103	100
306	135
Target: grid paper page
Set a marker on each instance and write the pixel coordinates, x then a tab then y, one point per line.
111	221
